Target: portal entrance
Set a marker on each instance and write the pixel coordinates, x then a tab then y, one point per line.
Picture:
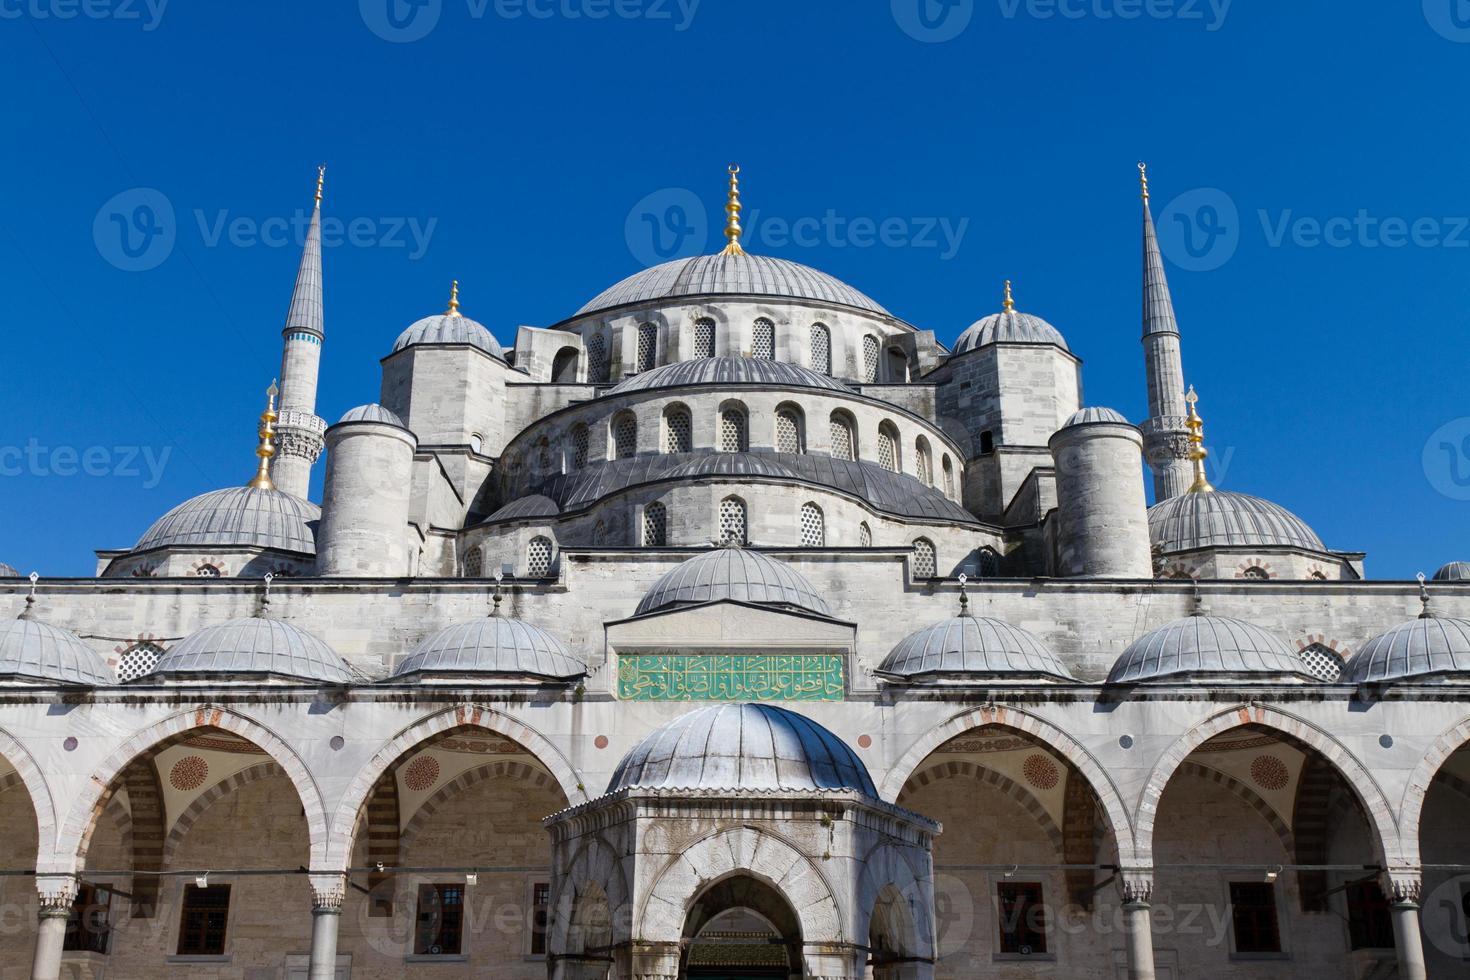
741	929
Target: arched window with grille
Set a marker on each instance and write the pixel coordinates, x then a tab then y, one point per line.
138	660
989	563
655	526
599	533
925	561
625	436
538	557
763	340
704	337
734	430
733	522
844	438
208	571
888	456
474	563
678	430
948	477
870	359
596	358
813	526
923	462
865	535
821	348
580	446
647	346
788	431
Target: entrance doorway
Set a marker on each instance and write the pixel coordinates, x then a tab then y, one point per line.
741	929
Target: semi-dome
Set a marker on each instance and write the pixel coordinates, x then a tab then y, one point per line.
1009	326
728	371
729	275
449	328
1455	571
1206	645
247	517
1425	647
732	464
733	573
1220	519
737	747
8	571
970	646
493	645
36	652
1096	416
372	412
254	646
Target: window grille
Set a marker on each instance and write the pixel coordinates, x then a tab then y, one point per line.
137	660
679	438
732	521
821	349
625	437
704	338
788	432
813	527
647	346
733	435
870	359
842	441
924	559
538	557
763	341
655	526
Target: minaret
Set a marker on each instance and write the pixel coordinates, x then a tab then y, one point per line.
1165	435
299	432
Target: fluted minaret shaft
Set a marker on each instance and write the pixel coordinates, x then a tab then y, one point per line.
1165	435
299	431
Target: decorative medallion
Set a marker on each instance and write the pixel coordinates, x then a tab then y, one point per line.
421	773
188	773
731	677
1041	772
1269	772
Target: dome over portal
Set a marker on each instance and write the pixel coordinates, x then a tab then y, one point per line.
1009	326
733	573
450	327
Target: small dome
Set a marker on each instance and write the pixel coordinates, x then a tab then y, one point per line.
8	571
1093	416
973	646
493	645
447	328
1205	645
1455	571
1221	519
733	573
372	413
254	646
729	275
237	517
728	371
37	652
743	747
1422	647
1009	327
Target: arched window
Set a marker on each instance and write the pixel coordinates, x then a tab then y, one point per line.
704	337
924	560
678	430
821	348
1256	573
564	366
989	563
647	346
888	448
870	359
625	436
948	477
538	557
474	563
865	535
844	443
734	430
599	533
813	526
655	526
580	446
1323	661
733	526
207	571
596	358
763	340
898	365
923	462
137	660
987	442
788	431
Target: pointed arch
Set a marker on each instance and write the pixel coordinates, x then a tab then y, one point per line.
1411	809
29	776
500	769
1007	787
209	798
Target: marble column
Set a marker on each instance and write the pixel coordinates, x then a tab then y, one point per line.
1137	886
1404	887
57	893
327	895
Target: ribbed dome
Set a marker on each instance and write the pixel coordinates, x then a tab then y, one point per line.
493	645
1095	415
1205	645
445	328
8	571
733	573
743	747
1419	648
1009	327
975	647
1221	519
372	413
728	371
254	646
35	651
1455	571
730	275
237	517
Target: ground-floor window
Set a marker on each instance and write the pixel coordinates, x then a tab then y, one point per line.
440	921
202	922
89	927
1369	923
540	916
1022	918
1253	914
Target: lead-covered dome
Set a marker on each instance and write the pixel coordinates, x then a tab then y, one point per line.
737	747
246	517
1206	645
493	645
36	652
737	574
1096	416
1009	327
970	646
1455	571
729	275
1221	519
8	571
728	371
449	328
372	412
1421	648
254	646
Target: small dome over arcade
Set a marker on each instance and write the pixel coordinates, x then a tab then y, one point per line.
728	371
1455	571
1426	648
450	327
33	651
252	646
737	574
372	412
8	571
496	646
973	647
738	747
1206	645
1009	326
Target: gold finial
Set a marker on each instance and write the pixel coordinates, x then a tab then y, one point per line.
1010	303
732	212
1197	453
267	447
453	299
1143	178
321	178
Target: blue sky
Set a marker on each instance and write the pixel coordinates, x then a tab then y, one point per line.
1308	165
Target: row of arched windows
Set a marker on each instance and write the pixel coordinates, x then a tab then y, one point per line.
763	346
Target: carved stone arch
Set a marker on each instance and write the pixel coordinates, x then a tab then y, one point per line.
888	878
1247	796
76	833
28	774
209	798
1411	809
597	864
1375	804
1004	784
500	769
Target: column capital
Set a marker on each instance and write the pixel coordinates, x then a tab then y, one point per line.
1136	884
1403	885
57	893
328	892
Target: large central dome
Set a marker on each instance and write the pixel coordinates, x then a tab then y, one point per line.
730	275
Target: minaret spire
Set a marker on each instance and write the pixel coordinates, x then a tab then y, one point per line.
732	214
1010	301
300	432
1165	434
